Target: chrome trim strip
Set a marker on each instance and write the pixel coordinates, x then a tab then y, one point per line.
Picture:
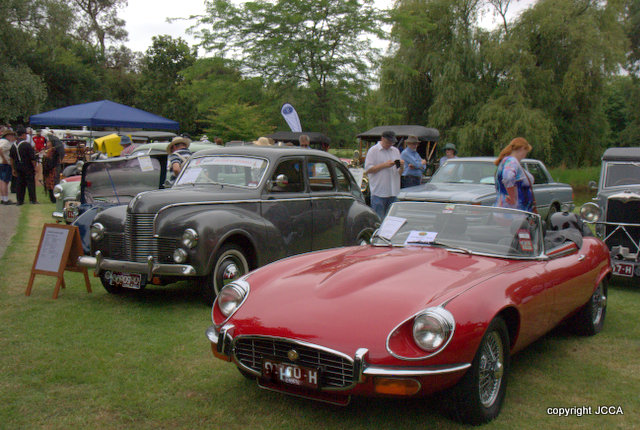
99	264
212	334
416	371
359	364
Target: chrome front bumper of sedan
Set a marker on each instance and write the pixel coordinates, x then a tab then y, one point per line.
222	345
150	268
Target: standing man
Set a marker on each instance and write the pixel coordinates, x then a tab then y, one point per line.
24	165
384	166
7	138
414	165
304	141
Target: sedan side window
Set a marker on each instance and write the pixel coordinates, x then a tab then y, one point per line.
538	174
320	176
291	171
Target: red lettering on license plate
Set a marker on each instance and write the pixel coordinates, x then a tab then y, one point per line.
290	374
623	269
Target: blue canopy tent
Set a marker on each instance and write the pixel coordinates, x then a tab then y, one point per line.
104	113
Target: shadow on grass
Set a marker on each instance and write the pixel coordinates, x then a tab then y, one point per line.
179	293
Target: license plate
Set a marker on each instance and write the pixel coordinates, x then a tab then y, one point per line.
126	280
290	374
623	269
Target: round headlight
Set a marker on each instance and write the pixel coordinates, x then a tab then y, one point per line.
57	191
190	238
590	212
231	297
179	255
433	328
97	231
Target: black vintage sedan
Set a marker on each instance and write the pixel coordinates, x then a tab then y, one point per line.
231	210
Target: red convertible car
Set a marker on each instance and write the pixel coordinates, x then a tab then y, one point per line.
440	300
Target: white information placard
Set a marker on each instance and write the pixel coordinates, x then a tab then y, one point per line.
145	163
52	249
390	226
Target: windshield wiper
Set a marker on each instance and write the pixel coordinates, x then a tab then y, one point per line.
448	245
384	239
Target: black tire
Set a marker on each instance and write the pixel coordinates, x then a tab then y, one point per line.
478	396
590	319
229	264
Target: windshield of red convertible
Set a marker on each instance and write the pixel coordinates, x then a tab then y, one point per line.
465	228
225	170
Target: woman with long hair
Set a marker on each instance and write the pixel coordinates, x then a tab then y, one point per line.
514	185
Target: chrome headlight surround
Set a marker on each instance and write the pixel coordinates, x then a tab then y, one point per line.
180	255
231	297
97	231
590	212
190	238
57	191
433	329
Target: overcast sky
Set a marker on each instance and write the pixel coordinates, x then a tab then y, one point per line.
145	19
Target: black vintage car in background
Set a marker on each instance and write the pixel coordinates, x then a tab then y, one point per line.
231	210
616	209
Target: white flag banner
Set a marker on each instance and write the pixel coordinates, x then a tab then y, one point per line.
291	116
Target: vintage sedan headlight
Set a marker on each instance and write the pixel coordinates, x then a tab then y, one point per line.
57	191
433	328
590	212
190	238
97	231
179	255
232	296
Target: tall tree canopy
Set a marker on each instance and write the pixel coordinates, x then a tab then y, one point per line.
317	46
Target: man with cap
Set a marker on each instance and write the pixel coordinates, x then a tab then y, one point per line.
450	152
414	165
24	159
7	138
384	166
127	145
178	151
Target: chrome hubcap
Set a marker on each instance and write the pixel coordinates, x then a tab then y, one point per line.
491	369
230	272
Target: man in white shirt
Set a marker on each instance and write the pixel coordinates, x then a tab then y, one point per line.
7	137
384	167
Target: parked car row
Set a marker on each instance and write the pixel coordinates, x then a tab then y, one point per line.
313	295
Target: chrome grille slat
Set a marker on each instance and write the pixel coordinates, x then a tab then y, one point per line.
139	237
337	371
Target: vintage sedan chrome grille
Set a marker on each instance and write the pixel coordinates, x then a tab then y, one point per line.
114	246
138	233
622	211
336	370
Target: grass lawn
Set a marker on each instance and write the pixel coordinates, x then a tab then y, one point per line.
142	361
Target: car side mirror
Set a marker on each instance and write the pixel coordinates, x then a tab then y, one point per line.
593	185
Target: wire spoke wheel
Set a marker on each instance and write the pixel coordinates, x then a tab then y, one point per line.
491	369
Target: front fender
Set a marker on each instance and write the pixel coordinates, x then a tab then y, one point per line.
215	226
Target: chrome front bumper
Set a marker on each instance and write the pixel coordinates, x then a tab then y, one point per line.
222	341
99	264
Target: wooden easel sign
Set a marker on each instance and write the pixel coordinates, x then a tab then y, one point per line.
58	250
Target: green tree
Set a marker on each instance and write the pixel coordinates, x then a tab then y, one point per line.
98	21
321	47
161	79
227	104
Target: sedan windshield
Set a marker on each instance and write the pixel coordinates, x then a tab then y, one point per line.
465	172
618	174
462	228
224	170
